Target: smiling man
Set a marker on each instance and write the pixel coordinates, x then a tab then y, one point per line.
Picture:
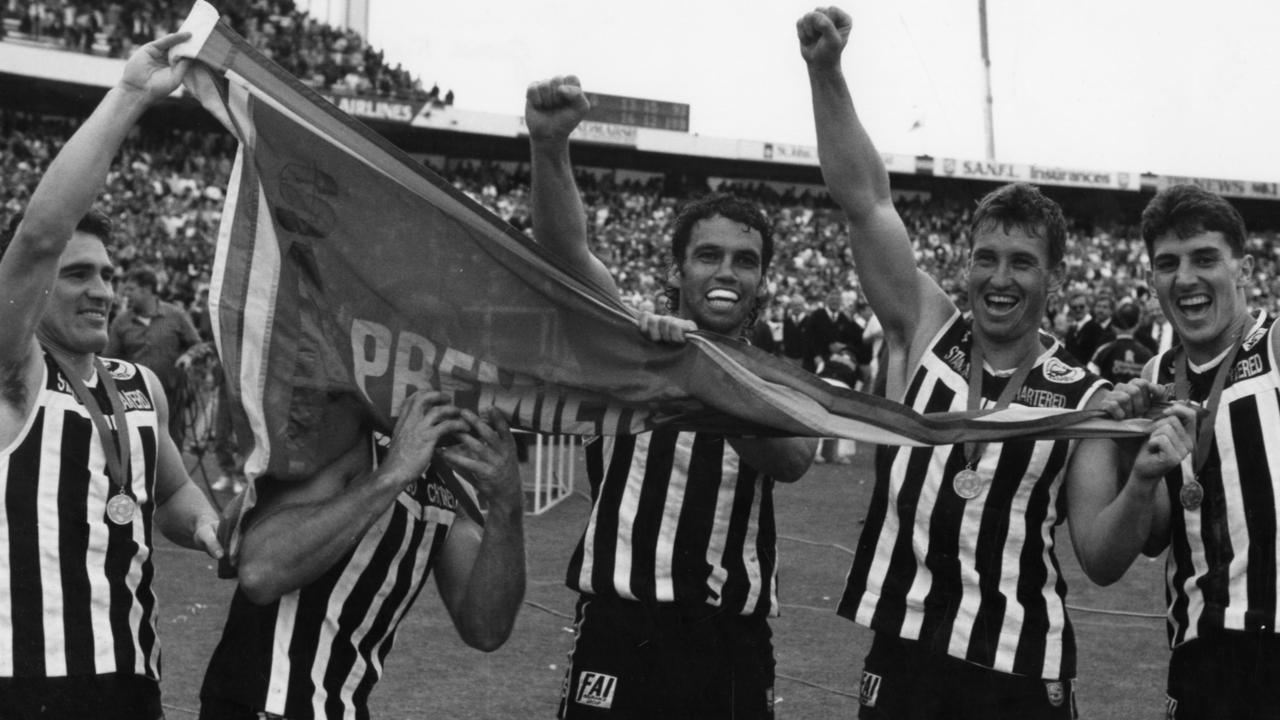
677	568
1218	514
86	466
956	570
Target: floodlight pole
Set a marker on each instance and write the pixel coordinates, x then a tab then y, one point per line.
986	81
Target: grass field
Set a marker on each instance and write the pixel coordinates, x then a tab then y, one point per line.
430	673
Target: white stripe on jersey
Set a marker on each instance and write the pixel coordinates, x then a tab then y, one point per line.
278	684
664	554
588	554
1238	589
719	537
1269	414
337	599
628	508
104	651
55	658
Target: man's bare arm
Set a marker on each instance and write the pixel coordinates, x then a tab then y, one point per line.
910	304
300	529
65	193
553	108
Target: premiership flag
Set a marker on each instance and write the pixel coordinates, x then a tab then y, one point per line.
348	275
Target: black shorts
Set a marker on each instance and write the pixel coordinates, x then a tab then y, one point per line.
122	696
902	680
1226	675
635	661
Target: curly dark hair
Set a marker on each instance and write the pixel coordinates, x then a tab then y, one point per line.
1023	206
1186	210
727	206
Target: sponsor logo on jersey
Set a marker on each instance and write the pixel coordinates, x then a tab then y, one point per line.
120	370
1247	368
1059	372
1034	397
954	357
869	689
1254	338
135	400
595	689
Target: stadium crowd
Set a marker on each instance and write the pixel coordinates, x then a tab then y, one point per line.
323	56
165	196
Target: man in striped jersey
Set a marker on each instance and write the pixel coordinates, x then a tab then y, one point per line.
956	569
329	566
677	568
1217	514
87	464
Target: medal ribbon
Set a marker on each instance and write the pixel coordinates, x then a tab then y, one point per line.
1182	391
118	452
973	451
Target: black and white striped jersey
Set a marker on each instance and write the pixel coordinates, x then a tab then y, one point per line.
677	517
975	579
318	651
75	588
1222	566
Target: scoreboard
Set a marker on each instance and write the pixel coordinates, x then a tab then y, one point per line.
638	112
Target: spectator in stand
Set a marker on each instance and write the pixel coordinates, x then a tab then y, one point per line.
829	331
1122	359
794	340
1077	318
157	335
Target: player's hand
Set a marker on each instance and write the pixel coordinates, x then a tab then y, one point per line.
1132	399
206	537
1170	441
664	328
823	34
553	108
425	418
150	70
486	453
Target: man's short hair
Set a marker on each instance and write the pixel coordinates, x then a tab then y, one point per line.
94	223
1186	211
143	277
731	207
1127	316
1023	206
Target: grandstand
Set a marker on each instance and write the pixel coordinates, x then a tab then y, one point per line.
166	188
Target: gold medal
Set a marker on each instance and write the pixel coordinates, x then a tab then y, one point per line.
121	509
1192	495
968	483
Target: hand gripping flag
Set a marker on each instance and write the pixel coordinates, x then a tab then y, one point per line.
348	276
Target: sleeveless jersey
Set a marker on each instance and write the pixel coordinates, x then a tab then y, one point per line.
75	588
976	579
678	518
1221	569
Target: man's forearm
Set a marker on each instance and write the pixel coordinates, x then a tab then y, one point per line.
184	512
292	545
1114	538
784	459
852	167
496	585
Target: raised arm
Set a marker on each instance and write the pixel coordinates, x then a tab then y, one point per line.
553	108
481	575
65	193
910	305
300	529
